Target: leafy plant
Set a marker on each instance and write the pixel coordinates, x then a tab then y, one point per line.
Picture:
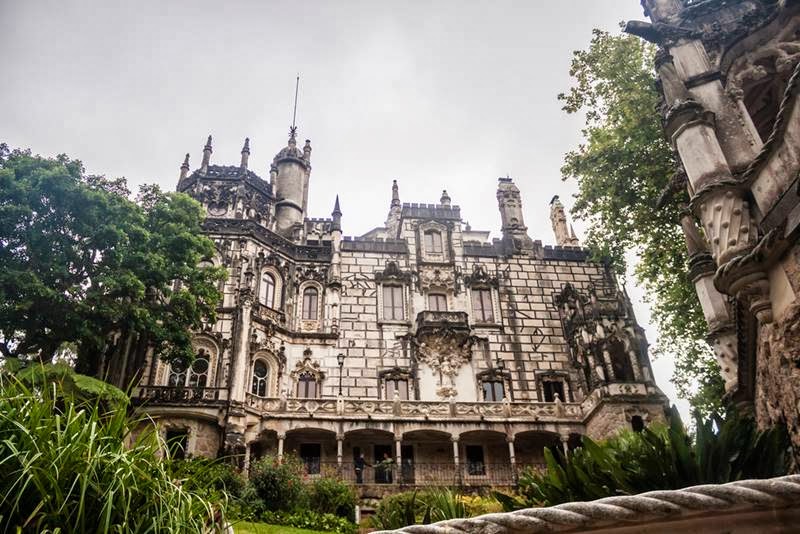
279	482
70	465
663	457
212	478
310	520
399	510
328	495
444	503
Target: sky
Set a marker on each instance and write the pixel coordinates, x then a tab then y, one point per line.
435	94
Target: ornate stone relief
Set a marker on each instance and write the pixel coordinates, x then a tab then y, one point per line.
480	277
307	365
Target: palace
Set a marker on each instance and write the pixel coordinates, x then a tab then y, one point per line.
422	341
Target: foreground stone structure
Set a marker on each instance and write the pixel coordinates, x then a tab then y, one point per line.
421	341
729	75
742	507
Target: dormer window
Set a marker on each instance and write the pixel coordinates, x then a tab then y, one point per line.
433	242
266	291
310	300
437	302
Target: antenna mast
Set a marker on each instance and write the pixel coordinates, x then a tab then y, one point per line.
293	130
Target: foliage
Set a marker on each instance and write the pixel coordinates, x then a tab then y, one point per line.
481	504
659	458
328	495
212	478
80	262
71	466
279	483
310	520
399	510
430	505
444	503
621	169
75	386
263	528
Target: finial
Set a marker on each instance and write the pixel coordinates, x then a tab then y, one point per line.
307	150
293	127
185	167
336	209
206	156
445	200
395	194
245	153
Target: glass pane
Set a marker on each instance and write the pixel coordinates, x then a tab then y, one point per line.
487	391
437	242
499	391
260	369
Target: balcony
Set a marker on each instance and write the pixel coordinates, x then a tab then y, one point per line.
414	410
173	395
434	320
473	474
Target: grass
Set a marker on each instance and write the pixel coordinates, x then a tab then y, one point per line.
263	528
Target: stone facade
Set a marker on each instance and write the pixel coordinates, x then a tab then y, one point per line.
729	73
421	341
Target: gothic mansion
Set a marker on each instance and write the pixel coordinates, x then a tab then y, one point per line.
421	341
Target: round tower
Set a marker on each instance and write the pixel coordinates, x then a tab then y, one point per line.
290	184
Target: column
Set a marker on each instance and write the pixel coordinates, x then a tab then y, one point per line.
398	460
565	443
512	458
339	447
246	466
241	353
456	462
281	437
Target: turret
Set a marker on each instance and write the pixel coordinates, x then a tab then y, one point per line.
445	200
206	156
290	184
565	235
515	233
337	216
393	220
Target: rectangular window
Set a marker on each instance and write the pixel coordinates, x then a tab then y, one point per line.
475	463
177	443
307	387
433	242
493	391
399	385
437	302
551	387
482	305
393	303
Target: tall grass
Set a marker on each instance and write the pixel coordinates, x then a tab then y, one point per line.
70	465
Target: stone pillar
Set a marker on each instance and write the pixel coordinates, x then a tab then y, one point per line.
241	353
246	465
456	462
512	458
398	460
281	437
565	443
339	448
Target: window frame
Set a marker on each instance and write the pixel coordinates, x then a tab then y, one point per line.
310	312
495	382
433	240
258	382
303	380
266	292
440	298
395	291
482	301
395	381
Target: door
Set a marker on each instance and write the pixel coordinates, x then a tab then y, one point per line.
407	463
311	454
384	464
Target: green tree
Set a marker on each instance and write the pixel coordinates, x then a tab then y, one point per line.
622	167
81	263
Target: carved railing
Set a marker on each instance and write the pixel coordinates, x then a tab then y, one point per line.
268	314
442	318
359	408
179	395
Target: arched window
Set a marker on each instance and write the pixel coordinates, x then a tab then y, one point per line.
433	242
620	361
266	291
310	299
194	376
260	375
307	386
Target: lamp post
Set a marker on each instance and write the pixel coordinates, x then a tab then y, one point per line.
340	359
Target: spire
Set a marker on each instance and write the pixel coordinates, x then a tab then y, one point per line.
395	194
245	153
445	200
206	156
337	216
185	167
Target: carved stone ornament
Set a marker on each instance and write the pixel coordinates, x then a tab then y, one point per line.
480	277
436	278
317	273
393	273
307	365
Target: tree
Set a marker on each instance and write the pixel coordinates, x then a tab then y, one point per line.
82	263
621	168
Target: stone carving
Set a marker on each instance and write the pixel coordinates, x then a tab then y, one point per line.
480	277
436	278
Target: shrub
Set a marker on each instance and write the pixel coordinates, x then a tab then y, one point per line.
659	458
480	504
443	503
207	477
279	483
68	467
310	520
333	496
399	510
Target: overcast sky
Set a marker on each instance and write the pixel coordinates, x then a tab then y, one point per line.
438	95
